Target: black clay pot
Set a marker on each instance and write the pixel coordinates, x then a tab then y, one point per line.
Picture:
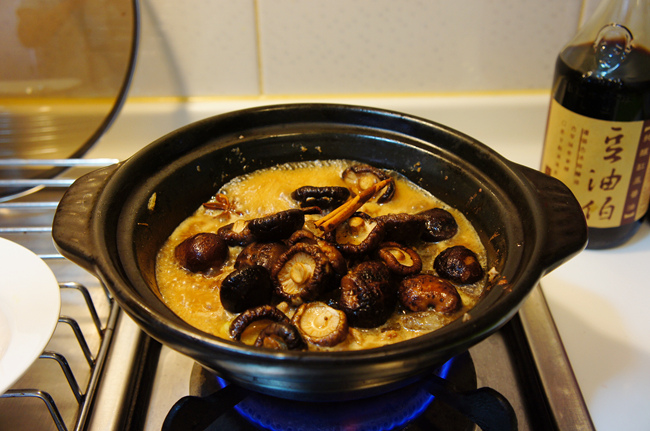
113	222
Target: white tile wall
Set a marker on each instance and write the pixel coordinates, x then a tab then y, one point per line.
197	48
253	48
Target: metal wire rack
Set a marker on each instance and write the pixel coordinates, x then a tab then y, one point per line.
58	390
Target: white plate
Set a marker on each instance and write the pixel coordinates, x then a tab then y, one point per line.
30	302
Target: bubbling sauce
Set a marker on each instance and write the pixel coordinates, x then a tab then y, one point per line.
195	296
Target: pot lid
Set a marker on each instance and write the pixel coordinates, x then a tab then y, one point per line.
65	69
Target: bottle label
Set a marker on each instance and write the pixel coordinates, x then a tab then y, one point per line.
604	163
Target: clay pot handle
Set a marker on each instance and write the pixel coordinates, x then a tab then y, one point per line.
565	233
71	228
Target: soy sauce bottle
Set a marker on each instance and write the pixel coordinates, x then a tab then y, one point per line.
598	130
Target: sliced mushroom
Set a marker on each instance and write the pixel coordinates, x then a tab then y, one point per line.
423	291
278	226
361	177
402	227
439	225
321	324
400	259
322	197
458	264
302	273
358	235
263	312
236	233
366	295
260	253
279	336
246	288
203	252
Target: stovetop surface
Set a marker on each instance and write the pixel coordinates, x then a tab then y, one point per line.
493	363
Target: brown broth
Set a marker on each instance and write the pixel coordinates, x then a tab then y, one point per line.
195	297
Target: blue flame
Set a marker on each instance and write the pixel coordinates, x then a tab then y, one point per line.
380	413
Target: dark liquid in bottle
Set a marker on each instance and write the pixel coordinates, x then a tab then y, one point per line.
624	95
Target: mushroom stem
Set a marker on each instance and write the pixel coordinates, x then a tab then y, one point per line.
345	211
321	324
300	273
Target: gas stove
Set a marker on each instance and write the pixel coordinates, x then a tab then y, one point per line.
496	384
121	379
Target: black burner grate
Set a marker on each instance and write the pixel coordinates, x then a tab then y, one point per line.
411	408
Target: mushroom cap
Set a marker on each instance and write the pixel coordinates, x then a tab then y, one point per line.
279	336
278	226
202	252
245	288
439	225
260	253
361	177
236	233
358	235
323	197
400	259
402	227
302	273
423	291
458	264
321	324
367	294
263	312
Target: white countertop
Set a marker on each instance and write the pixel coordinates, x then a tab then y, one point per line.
600	300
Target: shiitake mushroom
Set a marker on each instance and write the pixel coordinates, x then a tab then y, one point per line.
361	177
358	235
302	273
321	324
236	233
367	295
269	228
400	259
278	226
458	264
402	227
202	252
262	312
423	291
439	225
336	259
246	288
260	253
323	197
280	336
301	235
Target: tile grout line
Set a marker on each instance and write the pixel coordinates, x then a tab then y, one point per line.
258	39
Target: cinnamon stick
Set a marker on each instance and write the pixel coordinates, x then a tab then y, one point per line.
329	222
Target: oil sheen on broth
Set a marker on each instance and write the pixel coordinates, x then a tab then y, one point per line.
195	296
